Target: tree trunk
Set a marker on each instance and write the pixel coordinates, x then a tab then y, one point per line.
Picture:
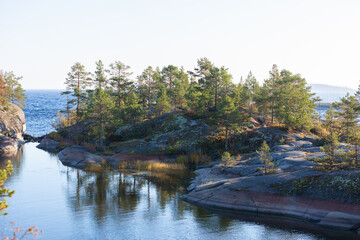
356	156
216	93
226	138
101	133
78	98
101	140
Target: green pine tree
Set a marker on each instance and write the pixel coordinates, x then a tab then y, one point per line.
78	81
266	158
162	103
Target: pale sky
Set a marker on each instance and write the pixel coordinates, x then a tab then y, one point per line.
320	39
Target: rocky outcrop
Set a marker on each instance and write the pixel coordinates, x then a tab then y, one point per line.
168	133
297	188
12	128
12	121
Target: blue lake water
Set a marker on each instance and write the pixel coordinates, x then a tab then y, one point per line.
41	109
67	203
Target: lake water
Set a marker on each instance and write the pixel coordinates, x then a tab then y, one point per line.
67	203
41	109
72	204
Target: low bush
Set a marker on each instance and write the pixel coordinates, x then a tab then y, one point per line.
318	131
55	136
193	159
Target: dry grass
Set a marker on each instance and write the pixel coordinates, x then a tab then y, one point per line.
151	166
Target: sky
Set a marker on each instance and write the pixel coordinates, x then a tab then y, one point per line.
320	39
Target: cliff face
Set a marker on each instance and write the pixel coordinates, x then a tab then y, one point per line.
12	128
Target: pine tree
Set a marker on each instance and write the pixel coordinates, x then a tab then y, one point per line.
162	103
77	81
294	105
228	116
265	157
120	81
354	139
240	95
349	113
100	81
100	105
267	98
192	95
332	125
133	111
251	86
147	82
169	75
181	84
99	109
14	91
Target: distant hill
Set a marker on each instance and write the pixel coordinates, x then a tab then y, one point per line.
330	93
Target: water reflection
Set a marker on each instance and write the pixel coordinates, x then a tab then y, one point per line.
72	204
15	160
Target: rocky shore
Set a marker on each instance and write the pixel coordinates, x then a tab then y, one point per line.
297	189
12	129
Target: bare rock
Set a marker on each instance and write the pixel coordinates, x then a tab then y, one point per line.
77	156
12	121
48	144
12	129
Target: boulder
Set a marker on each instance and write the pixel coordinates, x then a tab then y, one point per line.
48	144
77	156
301	144
12	129
12	121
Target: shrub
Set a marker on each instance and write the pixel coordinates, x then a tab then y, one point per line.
318	131
5	192
64	120
55	136
226	157
62	144
191	113
193	159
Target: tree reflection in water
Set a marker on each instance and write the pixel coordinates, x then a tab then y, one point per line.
113	193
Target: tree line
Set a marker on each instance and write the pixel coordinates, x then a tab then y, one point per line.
111	96
11	89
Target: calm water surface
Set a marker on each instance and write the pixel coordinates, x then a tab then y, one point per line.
72	204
